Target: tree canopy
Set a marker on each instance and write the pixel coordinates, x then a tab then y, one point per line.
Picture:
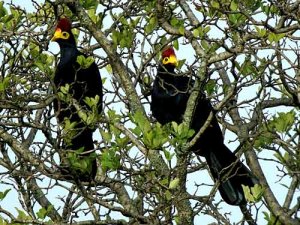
244	54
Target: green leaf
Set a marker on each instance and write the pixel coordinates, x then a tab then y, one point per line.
6	19
155	137
109	69
78	163
168	155
271	219
142	122
196	33
84	62
283	122
42	213
252	5
177	220
209	48
181	63
164	182
110	159
253	194
3	10
22	215
92	101
182	131
201	32
4	83
146	80
286	159
82	115
174	21
181	134
151	25
206	29
68	124
113	116
40	65
3	194
134	22
272	37
176	44
266	216
181	30
174	183
107	136
174	126
65	89
163	40
137	131
122	142
88	4
89	60
247	67
123	20
115	37
4	222
249	197
215	4
168	195
68	130
93	15
123	43
237	19
205	45
265	138
211	87
234	6
257	192
261	32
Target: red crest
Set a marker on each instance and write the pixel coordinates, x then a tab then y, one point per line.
64	24
167	52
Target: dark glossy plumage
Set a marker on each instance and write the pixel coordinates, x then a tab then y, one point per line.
83	83
169	99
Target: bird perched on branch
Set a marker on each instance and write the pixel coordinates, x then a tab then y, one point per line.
76	78
170	95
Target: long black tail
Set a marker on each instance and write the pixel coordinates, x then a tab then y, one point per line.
83	139
231	172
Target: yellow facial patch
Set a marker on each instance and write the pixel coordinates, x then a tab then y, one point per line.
170	60
59	34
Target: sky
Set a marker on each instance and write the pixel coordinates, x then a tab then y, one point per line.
183	53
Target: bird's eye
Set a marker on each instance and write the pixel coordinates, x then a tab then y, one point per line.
65	35
165	60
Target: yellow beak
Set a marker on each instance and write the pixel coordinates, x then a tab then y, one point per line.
173	60
170	60
57	35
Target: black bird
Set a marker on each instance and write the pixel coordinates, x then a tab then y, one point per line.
170	94
83	82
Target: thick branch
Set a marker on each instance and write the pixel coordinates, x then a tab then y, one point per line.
43	201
